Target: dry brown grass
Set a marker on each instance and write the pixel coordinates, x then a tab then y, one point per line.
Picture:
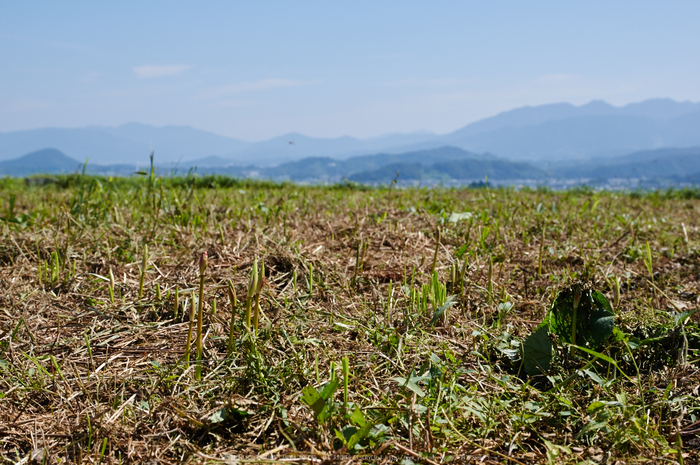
91	381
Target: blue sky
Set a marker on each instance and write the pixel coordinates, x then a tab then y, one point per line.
254	70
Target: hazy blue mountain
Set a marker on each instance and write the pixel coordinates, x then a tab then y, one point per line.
530	116
130	143
422	157
311	167
561	131
571	138
548	133
206	162
442	163
46	161
296	146
177	143
81	144
399	171
477	168
494	169
586	137
662	163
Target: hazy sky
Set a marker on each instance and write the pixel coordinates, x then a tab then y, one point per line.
257	69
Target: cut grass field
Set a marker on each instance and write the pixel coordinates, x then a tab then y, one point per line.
340	324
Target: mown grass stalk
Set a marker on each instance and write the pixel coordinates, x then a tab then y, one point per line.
189	330
176	302
539	257
234	304
437	249
258	291
111	285
574	323
200	312
252	287
144	263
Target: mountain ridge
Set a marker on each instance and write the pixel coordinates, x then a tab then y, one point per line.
545	132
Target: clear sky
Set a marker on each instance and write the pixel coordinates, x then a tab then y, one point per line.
258	69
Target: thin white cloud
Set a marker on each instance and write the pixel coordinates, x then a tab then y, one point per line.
251	86
154	71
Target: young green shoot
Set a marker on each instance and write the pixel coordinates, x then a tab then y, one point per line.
648	261
311	279
346	376
252	287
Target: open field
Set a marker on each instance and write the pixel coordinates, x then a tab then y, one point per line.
391	324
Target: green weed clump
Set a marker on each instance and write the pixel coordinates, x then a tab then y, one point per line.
415	325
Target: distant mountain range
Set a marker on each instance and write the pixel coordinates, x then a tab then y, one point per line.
443	164
660	163
543	134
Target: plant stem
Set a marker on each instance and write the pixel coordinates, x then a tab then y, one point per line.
189	331
143	270
234	303
437	249
577	301
200	313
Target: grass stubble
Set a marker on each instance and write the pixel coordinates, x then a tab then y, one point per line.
105	282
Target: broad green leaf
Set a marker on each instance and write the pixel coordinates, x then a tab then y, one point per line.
681	318
311	397
329	389
594	406
346	433
595	319
358	417
359	435
537	352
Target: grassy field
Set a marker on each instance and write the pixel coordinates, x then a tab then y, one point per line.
345	324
